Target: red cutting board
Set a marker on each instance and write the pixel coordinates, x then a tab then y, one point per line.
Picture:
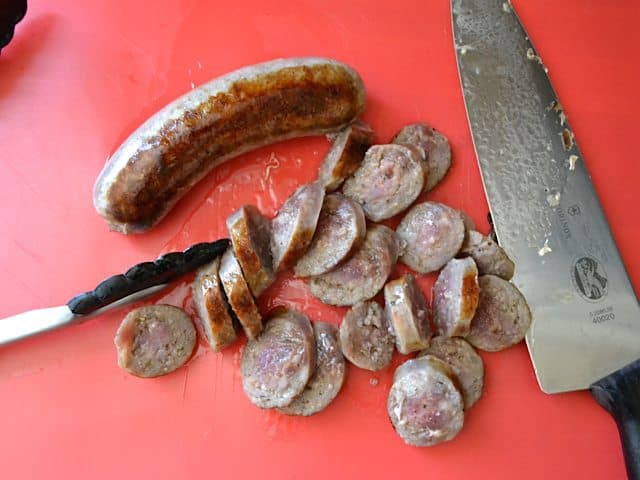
80	76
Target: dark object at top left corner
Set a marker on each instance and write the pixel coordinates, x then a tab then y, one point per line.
11	12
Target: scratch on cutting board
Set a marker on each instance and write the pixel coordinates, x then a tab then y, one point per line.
186	379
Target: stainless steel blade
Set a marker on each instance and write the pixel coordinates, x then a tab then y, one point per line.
586	319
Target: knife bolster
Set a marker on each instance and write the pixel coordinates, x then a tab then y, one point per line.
619	394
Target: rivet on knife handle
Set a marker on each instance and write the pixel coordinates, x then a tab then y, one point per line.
164	269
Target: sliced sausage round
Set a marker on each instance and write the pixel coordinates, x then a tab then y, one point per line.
488	255
363	275
327	380
436	148
433	233
455	296
340	231
424	404
366	336
406	308
213	312
502	317
345	155
276	366
465	363
293	227
154	340
250	234
239	295
389	180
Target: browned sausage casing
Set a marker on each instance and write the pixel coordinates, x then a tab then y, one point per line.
230	115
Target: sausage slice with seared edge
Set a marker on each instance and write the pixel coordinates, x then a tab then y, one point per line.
502	317
366	337
389	180
240	111
455	297
465	363
277	365
433	233
212	308
293	227
406	308
340	231
363	275
250	234
488	255
239	295
435	146
345	155
326	382
424	404
154	340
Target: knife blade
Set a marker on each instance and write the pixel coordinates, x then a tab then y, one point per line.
139	281
547	216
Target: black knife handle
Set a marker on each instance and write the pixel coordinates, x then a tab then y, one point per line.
11	12
619	394
164	269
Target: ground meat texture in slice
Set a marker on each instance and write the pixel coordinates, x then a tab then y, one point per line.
465	363
213	314
363	275
406	308
436	148
250	234
389	180
293	227
326	382
424	404
345	155
433	234
502	317
276	366
340	231
455	297
239	295
366	336
488	255
154	340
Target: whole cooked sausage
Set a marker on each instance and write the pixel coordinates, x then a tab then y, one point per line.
250	234
435	146
154	340
276	366
293	227
406	308
389	180
433	233
212	308
465	364
424	405
326	382
363	275
232	114
488	255
345	155
455	297
340	231
366	337
239	295
502	317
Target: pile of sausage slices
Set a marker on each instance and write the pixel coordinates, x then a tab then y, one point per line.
330	238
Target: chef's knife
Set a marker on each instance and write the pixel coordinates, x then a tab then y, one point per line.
141	280
546	214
